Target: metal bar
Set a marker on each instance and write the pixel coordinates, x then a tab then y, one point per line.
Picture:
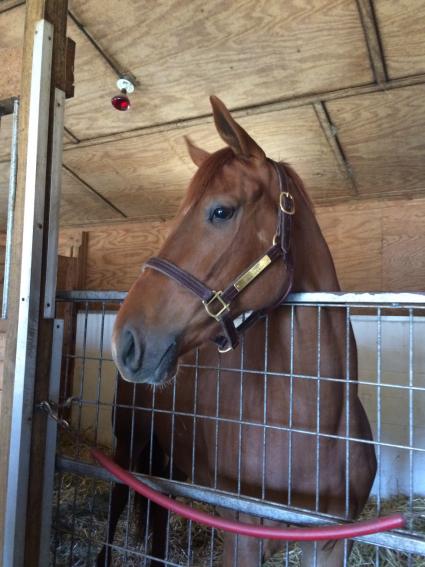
91	295
54	204
26	342
51	438
247	505
10	206
321	297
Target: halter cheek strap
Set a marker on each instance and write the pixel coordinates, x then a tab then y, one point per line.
217	303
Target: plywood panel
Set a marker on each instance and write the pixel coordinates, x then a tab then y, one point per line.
354	238
116	255
377	245
403	247
401	23
181	52
79	205
383	137
145	177
11	42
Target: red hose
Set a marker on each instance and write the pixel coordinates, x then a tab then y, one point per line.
339	531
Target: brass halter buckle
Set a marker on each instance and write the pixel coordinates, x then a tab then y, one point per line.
284	206
208	306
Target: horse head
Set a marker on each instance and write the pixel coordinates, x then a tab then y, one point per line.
231	233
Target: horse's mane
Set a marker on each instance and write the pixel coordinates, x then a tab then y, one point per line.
215	163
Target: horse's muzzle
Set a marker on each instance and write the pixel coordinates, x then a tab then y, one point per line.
149	360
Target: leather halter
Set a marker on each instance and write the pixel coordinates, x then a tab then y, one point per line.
217	303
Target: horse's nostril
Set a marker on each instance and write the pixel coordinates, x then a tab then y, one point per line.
131	350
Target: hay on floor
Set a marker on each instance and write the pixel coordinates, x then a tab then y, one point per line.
80	520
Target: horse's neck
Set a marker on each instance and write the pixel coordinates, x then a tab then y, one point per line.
314	268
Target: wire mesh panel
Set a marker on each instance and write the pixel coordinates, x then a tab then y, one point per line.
245	437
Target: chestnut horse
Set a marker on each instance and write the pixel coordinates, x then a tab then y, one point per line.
265	443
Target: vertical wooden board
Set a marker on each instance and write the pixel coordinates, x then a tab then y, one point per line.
383	138
4	189
403	247
354	238
246	52
5	137
401	23
11	42
116	255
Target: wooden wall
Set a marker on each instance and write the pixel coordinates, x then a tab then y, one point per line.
376	245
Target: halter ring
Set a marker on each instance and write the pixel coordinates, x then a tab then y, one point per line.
283	207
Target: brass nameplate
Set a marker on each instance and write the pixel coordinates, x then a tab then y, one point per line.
252	273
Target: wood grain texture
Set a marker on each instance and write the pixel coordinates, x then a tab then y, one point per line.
78	205
11	41
401	23
377	245
181	52
383	138
403	246
115	256
146	177
368	19
354	238
371	246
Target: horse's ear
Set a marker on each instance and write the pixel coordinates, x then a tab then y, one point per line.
233	134
197	154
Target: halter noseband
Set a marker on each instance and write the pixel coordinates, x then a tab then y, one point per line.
217	303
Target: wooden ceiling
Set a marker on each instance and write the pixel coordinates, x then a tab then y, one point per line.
334	87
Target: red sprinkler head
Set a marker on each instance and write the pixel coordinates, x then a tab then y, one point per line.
122	102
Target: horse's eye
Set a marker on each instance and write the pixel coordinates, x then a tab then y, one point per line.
220	214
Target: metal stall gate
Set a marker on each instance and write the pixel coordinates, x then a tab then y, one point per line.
390	332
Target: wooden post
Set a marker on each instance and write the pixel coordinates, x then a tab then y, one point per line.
38	331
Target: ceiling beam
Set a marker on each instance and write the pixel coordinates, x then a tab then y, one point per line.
73	139
93	191
373	40
10	5
331	135
263	108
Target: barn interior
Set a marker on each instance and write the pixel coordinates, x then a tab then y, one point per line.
332	87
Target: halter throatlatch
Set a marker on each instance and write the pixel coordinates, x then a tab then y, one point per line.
217	304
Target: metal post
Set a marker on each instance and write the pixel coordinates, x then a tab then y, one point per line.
54	207
26	343
51	435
